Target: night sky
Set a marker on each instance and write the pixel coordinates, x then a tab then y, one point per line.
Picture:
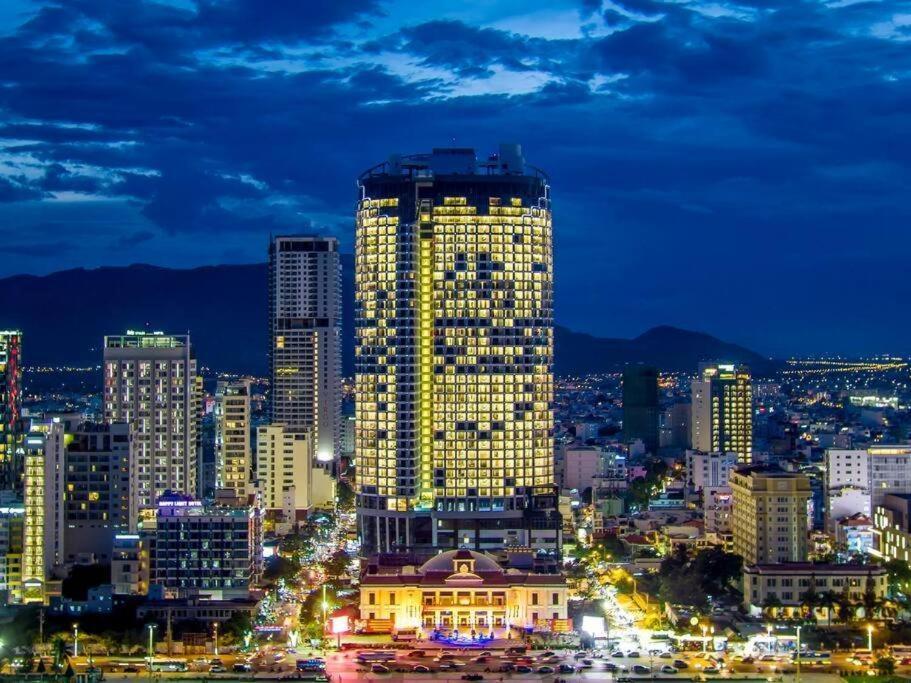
738	168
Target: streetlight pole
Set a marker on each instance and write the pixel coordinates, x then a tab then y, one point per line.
798	653
216	638
704	642
151	628
75	640
870	638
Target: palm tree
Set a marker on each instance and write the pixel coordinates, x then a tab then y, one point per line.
828	599
61	654
809	599
770	604
870	601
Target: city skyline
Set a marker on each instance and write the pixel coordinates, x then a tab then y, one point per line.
747	144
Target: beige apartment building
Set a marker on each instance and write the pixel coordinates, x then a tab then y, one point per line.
232	436
769	515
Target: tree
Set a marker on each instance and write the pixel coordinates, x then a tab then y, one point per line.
61	654
770	604
809	598
717	569
870	600
345	495
845	605
885	666
828	600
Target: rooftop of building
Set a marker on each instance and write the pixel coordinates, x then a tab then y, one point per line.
815	568
456	161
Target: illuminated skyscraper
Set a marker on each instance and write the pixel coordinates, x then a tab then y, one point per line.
305	319
150	382
722	405
454	353
10	409
233	458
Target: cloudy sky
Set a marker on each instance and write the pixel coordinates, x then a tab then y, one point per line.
739	168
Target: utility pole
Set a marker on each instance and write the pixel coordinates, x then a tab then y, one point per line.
169	631
41	627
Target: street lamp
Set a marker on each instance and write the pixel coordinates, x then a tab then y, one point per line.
215	627
151	628
798	651
704	642
870	638
75	640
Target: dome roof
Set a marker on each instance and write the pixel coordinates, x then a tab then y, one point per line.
446	562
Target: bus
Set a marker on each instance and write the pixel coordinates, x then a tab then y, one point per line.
168	665
375	656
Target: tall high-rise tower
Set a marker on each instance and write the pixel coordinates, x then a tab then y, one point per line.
640	406
722	410
11	427
305	319
454	353
150	382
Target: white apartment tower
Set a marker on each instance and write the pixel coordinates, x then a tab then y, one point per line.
233	457
305	319
150	382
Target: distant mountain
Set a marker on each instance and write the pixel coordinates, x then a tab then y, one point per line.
64	317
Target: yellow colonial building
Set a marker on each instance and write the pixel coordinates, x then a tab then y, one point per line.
463	590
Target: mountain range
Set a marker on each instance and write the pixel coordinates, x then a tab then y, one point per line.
65	315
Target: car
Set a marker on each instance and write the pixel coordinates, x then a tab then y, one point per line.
278	656
442	657
641	670
544	655
617	653
587	664
523	669
579	655
598	655
506	667
216	662
130	670
550	660
241	667
217	669
480	659
633	654
416	654
668	669
711	670
545	669
516	650
472	677
747	660
420	669
379	669
451	664
610	666
566	669
665	655
680	664
767	658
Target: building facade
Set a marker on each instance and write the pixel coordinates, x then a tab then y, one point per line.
130	564
722	410
151	383
709	471
783	586
233	451
11	424
464	590
210	549
284	466
43	549
101	490
640	406
454	353
769	515
12	540
305	318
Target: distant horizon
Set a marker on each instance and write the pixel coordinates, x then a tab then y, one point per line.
646	327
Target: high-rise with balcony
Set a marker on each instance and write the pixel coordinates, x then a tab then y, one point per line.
305	319
722	410
151	383
640	406
454	353
233	458
11	427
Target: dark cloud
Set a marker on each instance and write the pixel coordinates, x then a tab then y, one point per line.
740	146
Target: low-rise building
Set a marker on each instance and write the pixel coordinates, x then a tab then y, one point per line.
213	549
195	609
854	534
12	538
708	472
464	590
779	589
130	565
